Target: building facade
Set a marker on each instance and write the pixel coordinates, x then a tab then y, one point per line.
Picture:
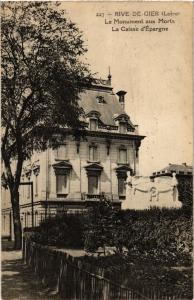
79	172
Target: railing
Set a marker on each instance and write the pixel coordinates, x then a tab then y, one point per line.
93	196
73	278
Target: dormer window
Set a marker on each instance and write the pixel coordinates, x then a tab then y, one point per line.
122	127
93	124
100	99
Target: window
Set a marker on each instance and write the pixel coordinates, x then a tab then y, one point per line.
61	152
123	156
121	186
36	184
92	184
93	124
93	153
122	127
62	184
100	99
28	188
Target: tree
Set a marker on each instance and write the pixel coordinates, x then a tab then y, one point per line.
42	76
99	225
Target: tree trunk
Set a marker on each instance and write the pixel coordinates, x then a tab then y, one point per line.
16	220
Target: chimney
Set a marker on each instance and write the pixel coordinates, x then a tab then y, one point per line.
109	76
121	95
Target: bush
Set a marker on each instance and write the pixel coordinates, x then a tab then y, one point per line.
159	235
65	230
163	235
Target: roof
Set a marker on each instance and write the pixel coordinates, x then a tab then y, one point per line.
108	108
183	169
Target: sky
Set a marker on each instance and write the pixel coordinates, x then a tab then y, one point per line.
155	68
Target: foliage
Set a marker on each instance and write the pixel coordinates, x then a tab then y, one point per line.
145	275
185	190
99	225
156	235
161	235
64	230
42	76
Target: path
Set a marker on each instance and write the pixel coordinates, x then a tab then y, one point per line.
18	280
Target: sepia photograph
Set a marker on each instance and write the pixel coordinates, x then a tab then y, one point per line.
96	150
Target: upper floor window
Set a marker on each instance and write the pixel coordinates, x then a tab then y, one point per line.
61	152
93	124
93	184
123	156
93	153
122	127
62	184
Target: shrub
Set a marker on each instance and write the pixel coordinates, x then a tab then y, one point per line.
164	235
65	230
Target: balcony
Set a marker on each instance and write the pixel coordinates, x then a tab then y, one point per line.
97	197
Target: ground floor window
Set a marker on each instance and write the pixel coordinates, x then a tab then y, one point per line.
93	184
121	186
36	185
62	185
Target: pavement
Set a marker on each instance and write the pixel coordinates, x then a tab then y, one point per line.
18	281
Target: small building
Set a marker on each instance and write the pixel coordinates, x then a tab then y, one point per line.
79	172
184	176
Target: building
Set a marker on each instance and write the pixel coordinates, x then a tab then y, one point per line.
77	173
184	176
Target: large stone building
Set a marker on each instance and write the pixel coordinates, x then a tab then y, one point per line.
79	172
